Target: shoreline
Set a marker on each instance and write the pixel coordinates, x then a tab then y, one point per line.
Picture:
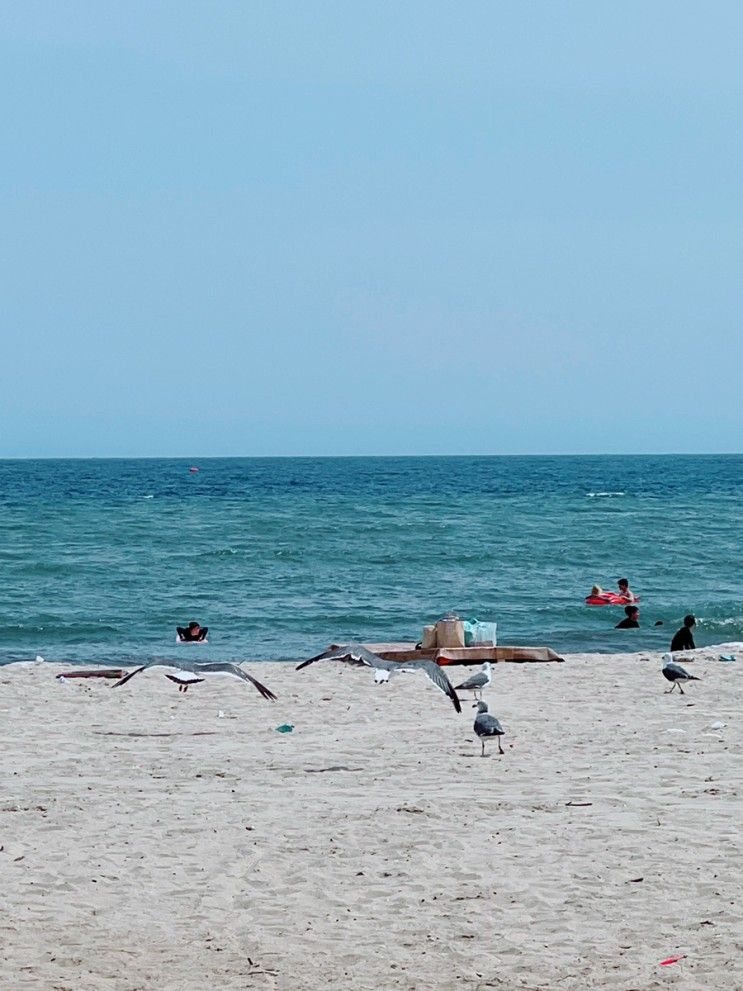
155	839
647	654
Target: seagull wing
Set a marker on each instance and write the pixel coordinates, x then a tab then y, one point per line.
678	672
476	681
437	676
127	677
217	667
351	652
487	725
157	665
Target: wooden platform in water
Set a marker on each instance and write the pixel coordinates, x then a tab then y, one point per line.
460	655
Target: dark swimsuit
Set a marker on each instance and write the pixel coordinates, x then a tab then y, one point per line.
185	634
683	640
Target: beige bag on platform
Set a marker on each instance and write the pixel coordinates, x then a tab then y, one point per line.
429	637
450	633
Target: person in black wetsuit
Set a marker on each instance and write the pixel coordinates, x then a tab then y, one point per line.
193	633
631	620
683	639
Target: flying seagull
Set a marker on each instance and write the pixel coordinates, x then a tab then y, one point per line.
676	674
487	726
477	682
186	673
354	653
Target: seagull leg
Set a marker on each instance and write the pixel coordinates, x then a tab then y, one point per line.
680	688
500	748
482	752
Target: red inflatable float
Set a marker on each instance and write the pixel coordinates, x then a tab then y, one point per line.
610	599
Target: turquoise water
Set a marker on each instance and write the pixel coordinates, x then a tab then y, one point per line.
99	560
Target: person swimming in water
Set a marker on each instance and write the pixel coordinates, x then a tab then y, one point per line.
683	638
625	592
193	633
631	620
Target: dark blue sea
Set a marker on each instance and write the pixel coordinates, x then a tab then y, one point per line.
100	559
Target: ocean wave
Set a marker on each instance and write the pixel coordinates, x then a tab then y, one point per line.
45	639
604	495
724	623
289	553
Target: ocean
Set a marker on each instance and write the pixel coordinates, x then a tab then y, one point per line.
101	559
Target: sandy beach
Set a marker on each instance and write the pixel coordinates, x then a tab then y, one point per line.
154	840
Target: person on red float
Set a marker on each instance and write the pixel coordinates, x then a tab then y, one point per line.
625	592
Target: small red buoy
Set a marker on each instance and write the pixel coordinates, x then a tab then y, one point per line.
193	469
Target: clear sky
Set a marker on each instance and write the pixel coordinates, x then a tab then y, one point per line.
356	227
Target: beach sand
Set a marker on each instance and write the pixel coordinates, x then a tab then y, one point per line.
146	842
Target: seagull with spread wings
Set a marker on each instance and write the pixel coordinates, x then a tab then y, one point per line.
186	673
355	653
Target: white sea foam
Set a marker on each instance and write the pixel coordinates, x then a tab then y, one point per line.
604	495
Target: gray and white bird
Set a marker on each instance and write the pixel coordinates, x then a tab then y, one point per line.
355	653
487	726
477	682
676	674
186	673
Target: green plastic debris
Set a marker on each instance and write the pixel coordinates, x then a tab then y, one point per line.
284	728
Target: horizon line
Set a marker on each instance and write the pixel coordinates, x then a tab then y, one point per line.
332	457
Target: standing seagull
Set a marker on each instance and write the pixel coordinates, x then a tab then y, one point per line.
187	673
477	682
676	674
354	653
487	726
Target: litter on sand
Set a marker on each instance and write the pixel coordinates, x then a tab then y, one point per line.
284	728
669	960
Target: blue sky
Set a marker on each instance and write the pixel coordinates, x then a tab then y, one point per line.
370	228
